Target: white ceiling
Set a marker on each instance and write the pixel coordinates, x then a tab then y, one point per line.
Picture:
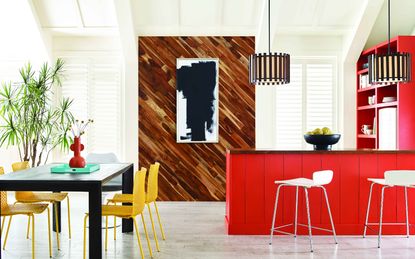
402	21
243	16
79	17
199	17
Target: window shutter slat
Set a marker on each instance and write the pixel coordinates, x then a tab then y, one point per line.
306	103
95	85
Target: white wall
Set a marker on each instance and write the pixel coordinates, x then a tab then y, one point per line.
298	46
348	107
89	44
20	42
20	37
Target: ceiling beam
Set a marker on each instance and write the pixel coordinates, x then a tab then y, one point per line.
312	30
124	17
87	31
175	30
81	16
356	40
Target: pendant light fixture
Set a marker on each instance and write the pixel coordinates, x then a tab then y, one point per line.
269	68
392	67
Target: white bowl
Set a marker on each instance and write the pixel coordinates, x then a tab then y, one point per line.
387	99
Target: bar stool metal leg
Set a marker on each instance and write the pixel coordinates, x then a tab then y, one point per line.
309	220
275	213
406	212
331	218
381	215
368	209
296	211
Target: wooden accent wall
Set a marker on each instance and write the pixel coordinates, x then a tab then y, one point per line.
193	172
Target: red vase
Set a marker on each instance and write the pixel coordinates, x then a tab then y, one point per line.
77	161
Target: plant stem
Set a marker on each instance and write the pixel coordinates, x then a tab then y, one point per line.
47	155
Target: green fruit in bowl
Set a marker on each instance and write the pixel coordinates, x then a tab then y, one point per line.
326	131
317	131
322	131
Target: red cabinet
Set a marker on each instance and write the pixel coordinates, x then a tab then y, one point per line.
251	189
404	93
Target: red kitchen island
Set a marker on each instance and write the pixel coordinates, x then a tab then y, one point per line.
250	190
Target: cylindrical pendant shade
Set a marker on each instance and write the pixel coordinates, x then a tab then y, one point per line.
269	68
389	68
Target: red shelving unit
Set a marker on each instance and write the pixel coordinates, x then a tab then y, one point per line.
404	93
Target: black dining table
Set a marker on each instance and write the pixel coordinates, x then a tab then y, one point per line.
41	179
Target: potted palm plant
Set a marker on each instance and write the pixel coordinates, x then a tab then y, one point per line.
28	118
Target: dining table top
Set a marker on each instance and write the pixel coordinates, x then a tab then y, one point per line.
43	173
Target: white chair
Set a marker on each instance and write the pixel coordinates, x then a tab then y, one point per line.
103	158
399	178
320	178
106	158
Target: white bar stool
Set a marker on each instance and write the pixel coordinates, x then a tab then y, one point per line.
399	178
320	178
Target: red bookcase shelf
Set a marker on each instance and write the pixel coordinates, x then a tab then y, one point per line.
389	104
366	136
367	114
366	89
366	107
363	71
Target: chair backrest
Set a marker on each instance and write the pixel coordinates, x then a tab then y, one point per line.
19	166
323	177
102	158
400	177
139	198
3	195
152	182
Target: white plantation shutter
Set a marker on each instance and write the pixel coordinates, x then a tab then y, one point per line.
95	85
289	110
75	87
319	87
308	102
105	108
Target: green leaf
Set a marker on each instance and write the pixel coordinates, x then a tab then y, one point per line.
28	112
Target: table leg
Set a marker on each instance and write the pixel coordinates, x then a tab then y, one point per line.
1	233
127	187
58	205
95	221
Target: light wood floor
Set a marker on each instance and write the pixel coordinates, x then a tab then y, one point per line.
196	230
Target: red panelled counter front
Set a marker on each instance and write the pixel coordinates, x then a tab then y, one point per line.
250	189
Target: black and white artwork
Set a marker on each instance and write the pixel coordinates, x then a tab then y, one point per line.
197	93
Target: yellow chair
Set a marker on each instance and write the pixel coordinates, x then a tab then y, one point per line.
22	209
35	197
127	212
151	197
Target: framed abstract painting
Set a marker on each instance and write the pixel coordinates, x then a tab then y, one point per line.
197	104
